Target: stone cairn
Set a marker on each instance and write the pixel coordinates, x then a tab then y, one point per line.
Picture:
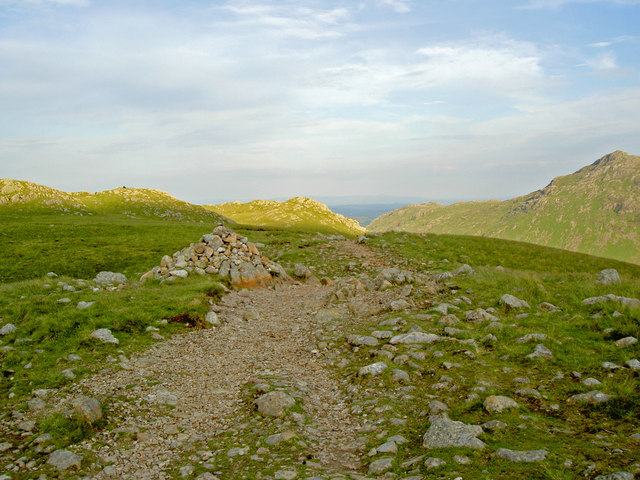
224	253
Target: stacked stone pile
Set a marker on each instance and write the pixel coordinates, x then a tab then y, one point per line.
224	253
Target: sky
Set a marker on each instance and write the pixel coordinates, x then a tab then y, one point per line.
217	101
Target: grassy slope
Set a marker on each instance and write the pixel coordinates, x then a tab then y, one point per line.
534	273
596	210
298	212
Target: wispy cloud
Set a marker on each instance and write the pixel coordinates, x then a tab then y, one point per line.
609	43
399	6
535	4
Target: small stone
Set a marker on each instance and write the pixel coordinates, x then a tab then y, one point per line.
633	364
626	341
380	466
388	447
212	319
433	462
445	432
400	304
285	475
8	329
273	404
591	382
88	408
237	451
513	302
594	397
608	276
398	375
4	446
498	403
616	476
415	338
72	357
186	470
436	407
64	459
68	373
373	369
206	476
493	425
462	460
531	336
165	397
36	404
521	456
362	340
82	305
105	336
540	352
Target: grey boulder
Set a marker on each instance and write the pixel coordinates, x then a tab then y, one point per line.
445	432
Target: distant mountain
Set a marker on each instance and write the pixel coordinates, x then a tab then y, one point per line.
595	210
22	196
297	212
365	213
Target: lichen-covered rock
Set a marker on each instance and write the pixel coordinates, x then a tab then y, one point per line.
110	278
594	397
608	276
87	408
445	432
510	301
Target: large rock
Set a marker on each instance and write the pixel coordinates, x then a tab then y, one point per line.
541	352
273	404
510	301
445	432
608	276
105	336
616	476
480	315
87	408
110	278
624	301
498	403
64	459
521	456
415	337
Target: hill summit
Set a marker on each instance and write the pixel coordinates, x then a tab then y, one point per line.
297	212
595	210
22	196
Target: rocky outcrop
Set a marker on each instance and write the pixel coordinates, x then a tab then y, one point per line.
224	253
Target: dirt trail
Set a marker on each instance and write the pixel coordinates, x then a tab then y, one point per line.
265	333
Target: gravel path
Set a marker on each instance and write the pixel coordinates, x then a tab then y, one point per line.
264	332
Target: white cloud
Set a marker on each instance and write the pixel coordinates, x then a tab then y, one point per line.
536	4
399	6
606	61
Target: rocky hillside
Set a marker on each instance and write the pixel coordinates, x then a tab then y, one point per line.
22	196
297	212
595	210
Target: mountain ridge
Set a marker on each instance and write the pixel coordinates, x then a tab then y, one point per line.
595	210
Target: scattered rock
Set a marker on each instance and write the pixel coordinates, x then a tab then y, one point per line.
510	301
64	459
82	305
616	476
608	276
594	397
541	352
381	466
633	364
88	408
498	403
105	336
445	432
415	337
8	329
110	279
273	404
212	319
464	270
624	301
626	341
521	456
433	462
400	304
373	369
531	336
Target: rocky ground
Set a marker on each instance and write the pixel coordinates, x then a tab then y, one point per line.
318	379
